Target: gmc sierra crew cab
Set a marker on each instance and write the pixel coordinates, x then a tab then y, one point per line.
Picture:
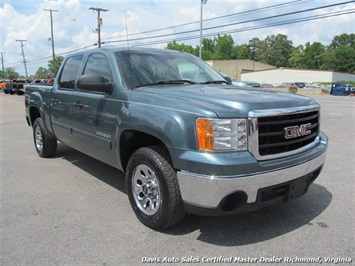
186	139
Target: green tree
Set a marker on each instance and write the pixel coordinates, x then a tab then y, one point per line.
255	49
329	61
297	57
340	54
276	50
182	47
208	49
345	59
224	47
10	73
240	52
341	59
313	55
42	73
53	66
343	39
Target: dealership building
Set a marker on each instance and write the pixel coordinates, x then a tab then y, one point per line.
263	73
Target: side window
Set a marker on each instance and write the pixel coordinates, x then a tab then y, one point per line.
70	72
98	64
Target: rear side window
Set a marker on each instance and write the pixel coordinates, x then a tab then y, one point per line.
98	64
70	72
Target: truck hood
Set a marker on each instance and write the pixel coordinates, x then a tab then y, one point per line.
225	100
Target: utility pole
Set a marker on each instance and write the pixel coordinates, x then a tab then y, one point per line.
23	54
203	2
99	22
2	62
52	37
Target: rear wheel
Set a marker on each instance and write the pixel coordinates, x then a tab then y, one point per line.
45	144
153	189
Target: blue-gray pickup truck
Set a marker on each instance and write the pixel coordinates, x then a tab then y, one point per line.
186	139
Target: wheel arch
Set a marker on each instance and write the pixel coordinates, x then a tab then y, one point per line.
132	140
34	113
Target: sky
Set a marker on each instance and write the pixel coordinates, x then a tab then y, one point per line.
154	23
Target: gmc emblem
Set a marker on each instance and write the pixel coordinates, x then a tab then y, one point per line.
297	131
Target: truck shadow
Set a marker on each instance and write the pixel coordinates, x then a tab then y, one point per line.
260	225
236	230
100	170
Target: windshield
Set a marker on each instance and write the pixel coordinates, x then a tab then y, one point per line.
143	68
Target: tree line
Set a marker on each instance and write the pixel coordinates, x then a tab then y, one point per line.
279	51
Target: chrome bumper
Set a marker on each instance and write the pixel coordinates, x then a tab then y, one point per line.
208	191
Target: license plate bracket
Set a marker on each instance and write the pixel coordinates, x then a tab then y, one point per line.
297	188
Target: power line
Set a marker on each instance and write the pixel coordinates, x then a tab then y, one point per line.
63	53
281	15
232	24
293	21
220	17
334	14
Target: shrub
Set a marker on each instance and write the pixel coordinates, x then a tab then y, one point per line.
293	90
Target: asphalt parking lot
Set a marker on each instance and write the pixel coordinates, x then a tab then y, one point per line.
73	210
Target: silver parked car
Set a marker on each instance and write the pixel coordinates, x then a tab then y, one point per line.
246	83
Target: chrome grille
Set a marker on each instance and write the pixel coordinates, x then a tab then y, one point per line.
266	131
272	132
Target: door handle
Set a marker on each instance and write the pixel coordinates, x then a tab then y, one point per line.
55	101
78	105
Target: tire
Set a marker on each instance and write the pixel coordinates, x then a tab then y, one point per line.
153	189
45	144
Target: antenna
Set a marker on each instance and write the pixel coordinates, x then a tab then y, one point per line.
125	17
129	53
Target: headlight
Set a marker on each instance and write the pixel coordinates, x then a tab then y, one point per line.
222	134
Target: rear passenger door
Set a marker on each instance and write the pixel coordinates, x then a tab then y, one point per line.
94	113
62	99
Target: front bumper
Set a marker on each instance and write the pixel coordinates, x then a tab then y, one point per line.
208	194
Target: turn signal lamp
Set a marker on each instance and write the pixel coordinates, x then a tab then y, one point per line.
222	134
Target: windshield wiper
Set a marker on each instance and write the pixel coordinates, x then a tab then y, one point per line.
163	82
215	82
176	81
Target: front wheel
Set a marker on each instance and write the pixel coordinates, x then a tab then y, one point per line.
45	144
153	189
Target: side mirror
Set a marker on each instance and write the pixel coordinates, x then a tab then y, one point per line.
94	83
226	77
